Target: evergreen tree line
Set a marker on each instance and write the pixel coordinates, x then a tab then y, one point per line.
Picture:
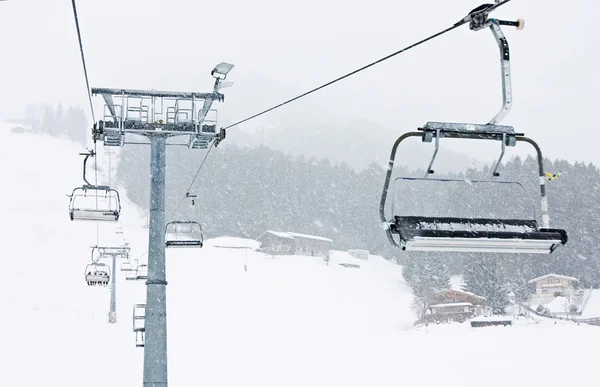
243	191
58	122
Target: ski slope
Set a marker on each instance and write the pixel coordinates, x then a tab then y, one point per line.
592	307
235	316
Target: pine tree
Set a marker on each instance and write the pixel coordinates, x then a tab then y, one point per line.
483	277
49	121
439	272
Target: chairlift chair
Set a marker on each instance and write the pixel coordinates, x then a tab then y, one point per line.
455	234
139	324
127	266
183	234
97	274
94	202
139	273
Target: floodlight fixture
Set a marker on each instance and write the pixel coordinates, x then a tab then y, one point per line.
220	71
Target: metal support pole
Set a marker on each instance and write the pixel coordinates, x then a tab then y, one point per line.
112	315
505	72
155	349
542	177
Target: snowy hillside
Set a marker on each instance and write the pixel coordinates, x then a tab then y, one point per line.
235	316
592	306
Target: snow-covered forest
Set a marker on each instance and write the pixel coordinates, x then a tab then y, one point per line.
269	190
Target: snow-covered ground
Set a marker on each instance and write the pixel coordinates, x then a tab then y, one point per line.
235	316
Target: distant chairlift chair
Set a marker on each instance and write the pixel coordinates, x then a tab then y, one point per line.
140	273
183	234
420	233
97	274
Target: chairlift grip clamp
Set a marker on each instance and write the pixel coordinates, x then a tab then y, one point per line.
220	137
156	282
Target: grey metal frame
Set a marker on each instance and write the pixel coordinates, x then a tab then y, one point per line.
478	19
93	214
139	324
158	131
465	134
114	252
196	242
152	115
139	273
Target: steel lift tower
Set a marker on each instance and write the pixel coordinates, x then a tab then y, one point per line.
113	253
159	116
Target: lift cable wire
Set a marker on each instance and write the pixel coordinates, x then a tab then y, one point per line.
193	180
456	25
96	183
87	82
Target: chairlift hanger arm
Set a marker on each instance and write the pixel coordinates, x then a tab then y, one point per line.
478	19
542	175
87	155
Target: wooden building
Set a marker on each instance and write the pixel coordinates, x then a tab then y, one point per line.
453	305
549	286
292	243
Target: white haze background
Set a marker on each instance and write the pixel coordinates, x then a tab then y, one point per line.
281	49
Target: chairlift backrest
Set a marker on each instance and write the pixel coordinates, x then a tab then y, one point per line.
467	198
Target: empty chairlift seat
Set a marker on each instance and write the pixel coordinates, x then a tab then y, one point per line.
511	232
449	234
96	203
139	273
183	234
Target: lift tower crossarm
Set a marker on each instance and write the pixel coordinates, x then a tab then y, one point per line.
157	93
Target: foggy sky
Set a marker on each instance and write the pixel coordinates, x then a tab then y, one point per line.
297	45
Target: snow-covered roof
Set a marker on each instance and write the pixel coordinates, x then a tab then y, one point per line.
293	235
451	304
461	291
277	234
566	277
297	235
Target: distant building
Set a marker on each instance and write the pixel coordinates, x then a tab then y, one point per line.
453	305
550	286
293	243
360	254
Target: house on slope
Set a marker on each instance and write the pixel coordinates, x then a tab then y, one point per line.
453	305
550	286
293	243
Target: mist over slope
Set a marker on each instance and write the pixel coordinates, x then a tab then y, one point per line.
306	128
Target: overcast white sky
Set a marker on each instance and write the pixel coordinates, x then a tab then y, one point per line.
299	44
